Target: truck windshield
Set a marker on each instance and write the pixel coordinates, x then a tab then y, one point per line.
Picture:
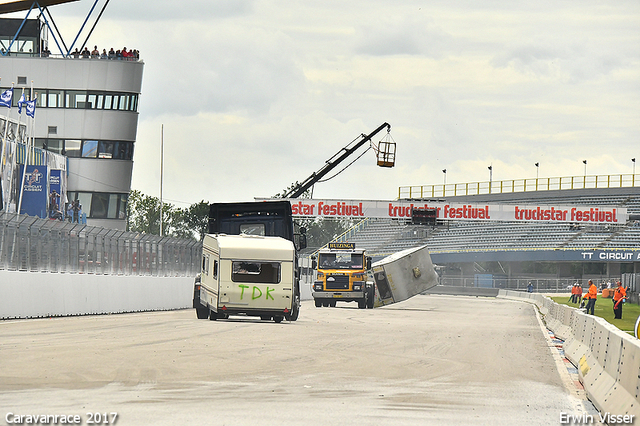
252	229
340	260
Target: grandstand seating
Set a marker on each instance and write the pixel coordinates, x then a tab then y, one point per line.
385	236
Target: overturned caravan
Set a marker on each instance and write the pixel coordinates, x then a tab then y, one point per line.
403	275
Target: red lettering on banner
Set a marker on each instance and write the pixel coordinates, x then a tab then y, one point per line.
302	209
407	211
339	209
398	209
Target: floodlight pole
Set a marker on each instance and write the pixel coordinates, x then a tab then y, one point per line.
161	171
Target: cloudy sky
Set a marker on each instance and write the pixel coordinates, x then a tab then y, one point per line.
257	94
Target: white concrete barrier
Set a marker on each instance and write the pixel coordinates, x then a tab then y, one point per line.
608	360
31	295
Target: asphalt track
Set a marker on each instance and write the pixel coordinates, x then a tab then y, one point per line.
439	360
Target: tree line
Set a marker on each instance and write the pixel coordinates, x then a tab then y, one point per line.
143	215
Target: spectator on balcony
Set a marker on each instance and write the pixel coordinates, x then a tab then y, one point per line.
104	54
95	53
86	53
112	54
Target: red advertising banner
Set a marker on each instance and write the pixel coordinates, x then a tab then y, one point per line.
460	211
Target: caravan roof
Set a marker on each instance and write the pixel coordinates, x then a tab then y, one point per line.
251	247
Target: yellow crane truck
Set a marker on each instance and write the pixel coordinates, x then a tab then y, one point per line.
342	276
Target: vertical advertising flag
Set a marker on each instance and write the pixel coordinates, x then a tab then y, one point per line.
55	194
34	197
6	97
30	107
21	102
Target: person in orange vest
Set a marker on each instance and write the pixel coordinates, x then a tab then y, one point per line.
619	297
572	299
591	295
578	293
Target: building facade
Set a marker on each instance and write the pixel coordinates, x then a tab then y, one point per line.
86	110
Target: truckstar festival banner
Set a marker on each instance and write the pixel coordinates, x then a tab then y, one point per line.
594	214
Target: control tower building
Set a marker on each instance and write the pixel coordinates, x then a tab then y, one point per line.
87	105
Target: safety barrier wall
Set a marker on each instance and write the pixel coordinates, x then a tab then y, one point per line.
33	295
608	359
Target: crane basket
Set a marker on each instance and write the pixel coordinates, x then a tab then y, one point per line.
386	151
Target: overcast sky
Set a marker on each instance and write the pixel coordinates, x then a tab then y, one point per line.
257	94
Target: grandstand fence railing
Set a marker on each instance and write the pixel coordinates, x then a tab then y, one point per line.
520	185
28	243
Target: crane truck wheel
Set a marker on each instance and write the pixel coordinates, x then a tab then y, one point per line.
318	303
362	303
202	312
278	319
295	310
371	294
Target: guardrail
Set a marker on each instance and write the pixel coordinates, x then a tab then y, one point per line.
519	185
608	360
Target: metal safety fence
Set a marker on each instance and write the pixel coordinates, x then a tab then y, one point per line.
32	244
543	285
519	185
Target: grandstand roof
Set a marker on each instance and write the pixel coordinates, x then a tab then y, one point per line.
19	5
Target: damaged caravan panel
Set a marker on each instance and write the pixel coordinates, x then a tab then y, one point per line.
403	275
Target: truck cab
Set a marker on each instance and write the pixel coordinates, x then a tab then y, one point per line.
342	276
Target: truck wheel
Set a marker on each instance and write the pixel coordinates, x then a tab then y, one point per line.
213	316
362	303
202	313
318	303
295	310
371	295
265	317
332	304
278	319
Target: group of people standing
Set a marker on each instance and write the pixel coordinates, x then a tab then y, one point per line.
124	54
619	297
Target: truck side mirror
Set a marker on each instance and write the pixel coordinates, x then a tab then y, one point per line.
368	262
314	264
302	242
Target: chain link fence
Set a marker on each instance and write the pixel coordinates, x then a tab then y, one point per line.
43	245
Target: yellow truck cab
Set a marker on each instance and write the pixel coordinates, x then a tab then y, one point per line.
342	276
246	275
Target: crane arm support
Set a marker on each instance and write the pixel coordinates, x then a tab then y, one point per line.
332	163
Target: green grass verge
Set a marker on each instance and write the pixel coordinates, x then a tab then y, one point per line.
604	309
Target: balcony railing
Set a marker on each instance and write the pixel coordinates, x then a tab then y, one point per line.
520	185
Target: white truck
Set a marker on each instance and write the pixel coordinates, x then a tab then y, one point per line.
246	275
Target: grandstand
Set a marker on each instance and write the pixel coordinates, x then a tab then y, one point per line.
531	250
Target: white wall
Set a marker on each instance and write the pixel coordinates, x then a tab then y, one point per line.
29	294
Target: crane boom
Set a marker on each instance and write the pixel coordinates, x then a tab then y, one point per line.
299	189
